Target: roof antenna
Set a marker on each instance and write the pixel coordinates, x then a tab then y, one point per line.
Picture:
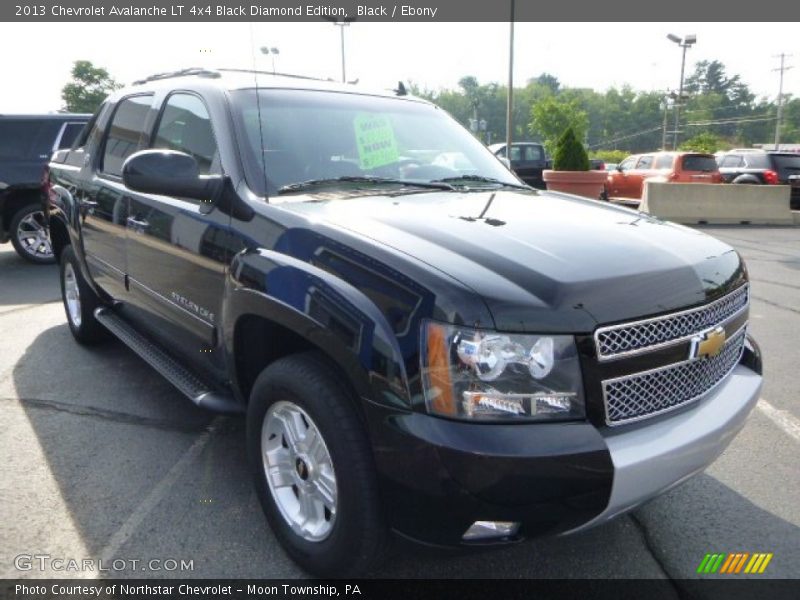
401	89
258	106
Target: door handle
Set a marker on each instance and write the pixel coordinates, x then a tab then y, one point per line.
137	224
88	203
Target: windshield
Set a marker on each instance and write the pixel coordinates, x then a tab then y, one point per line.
300	136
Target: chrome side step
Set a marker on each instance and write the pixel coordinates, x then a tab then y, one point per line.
182	378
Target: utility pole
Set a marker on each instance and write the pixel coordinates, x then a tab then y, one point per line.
782	68
509	98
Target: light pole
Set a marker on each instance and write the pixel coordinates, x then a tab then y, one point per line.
510	97
341	23
266	51
687	42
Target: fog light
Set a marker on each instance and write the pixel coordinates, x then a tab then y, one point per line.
484	530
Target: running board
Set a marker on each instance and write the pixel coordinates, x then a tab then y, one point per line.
174	372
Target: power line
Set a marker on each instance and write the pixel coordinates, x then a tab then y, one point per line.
732	121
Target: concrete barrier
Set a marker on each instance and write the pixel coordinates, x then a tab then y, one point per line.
701	203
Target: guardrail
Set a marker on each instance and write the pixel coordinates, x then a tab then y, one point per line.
701	203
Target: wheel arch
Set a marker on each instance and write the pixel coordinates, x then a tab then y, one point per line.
271	309
746	179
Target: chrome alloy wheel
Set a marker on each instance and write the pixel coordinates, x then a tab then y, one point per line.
33	237
299	471
72	294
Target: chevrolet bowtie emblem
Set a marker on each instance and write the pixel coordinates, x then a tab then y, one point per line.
708	343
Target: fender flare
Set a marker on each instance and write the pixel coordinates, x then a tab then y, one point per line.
293	294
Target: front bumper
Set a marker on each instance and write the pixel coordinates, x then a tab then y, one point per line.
651	459
438	477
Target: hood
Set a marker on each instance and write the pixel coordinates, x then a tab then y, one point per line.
545	262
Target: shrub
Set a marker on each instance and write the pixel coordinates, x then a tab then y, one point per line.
611	156
570	154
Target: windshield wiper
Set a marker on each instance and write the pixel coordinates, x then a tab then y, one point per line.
312	183
481	179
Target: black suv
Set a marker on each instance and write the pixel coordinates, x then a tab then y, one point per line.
528	160
420	342
765	168
26	143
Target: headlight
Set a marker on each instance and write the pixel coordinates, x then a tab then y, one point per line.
486	375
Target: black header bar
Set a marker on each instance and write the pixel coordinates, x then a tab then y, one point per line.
401	11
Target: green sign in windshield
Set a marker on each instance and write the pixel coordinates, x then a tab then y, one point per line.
375	139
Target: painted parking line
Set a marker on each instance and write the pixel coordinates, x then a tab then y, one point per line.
782	418
135	519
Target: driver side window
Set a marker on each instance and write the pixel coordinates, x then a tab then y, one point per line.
628	163
185	126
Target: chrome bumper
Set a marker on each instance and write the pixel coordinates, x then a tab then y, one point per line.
654	458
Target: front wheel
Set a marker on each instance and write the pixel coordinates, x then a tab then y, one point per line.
80	301
313	469
29	235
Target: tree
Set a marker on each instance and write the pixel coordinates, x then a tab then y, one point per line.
550	117
570	154
89	87
703	142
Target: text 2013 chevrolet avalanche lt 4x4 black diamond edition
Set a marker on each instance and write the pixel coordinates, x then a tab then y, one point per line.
420	342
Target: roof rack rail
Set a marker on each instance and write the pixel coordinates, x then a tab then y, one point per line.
197	71
233	70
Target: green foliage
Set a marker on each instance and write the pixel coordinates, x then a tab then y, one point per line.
88	88
570	155
622	118
551	117
704	142
610	156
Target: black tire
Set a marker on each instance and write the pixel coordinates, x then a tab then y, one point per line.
34	246
84	327
357	540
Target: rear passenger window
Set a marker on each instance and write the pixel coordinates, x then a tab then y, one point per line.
126	133
645	162
186	127
71	131
731	161
533	153
664	161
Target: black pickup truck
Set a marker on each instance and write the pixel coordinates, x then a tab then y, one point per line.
26	143
419	345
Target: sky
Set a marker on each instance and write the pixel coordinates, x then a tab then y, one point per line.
33	69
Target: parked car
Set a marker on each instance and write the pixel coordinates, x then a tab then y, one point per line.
764	168
597	164
528	160
627	180
26	143
444	353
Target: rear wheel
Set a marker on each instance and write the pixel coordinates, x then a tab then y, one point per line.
29	235
313	469
80	301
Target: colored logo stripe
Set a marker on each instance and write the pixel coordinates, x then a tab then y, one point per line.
733	563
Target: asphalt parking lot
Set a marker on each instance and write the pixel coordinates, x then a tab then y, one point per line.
103	459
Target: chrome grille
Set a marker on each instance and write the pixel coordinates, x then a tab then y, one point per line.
617	341
649	393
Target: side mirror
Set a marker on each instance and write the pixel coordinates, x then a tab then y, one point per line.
619	168
169	173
